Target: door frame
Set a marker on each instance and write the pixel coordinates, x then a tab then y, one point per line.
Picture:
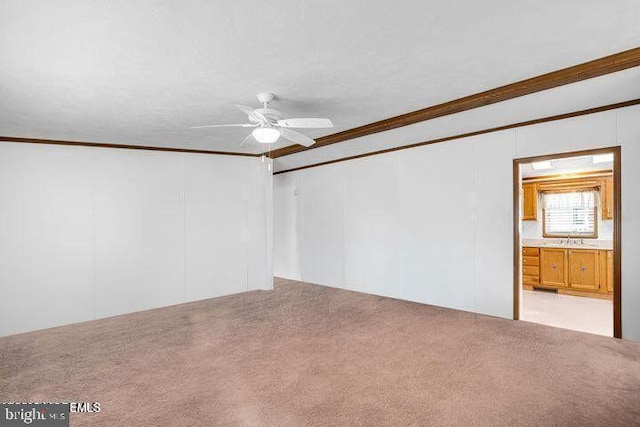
617	228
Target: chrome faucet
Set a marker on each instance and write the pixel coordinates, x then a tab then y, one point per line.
568	241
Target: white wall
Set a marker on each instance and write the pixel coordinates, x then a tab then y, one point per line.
285	214
434	224
87	233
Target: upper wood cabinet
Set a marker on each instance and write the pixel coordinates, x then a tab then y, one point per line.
531	191
584	270
530	202
606	194
554	270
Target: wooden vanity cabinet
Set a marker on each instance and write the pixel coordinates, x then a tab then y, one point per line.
606	271
584	271
589	271
554	271
530	267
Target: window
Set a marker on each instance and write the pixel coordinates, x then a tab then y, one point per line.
570	214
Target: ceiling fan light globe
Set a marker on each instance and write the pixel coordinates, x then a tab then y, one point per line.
266	135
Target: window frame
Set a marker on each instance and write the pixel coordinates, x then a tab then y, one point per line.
594	235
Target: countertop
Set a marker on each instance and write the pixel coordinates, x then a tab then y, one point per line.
555	243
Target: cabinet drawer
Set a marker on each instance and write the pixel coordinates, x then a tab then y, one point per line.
529	270
530	251
530	260
531	280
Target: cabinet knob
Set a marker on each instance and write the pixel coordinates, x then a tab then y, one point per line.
553	266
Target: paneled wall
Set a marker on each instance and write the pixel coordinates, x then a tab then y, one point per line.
433	224
87	233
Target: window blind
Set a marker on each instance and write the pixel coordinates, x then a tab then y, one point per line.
571	213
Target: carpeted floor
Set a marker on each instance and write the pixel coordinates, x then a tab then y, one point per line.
310	355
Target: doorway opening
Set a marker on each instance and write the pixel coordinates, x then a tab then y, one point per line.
567	240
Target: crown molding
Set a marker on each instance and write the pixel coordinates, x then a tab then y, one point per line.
479	132
596	68
119	146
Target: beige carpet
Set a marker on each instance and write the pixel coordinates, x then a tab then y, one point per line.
310	355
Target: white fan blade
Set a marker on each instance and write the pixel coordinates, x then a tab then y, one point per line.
247	110
296	137
244	141
251	112
305	123
244	125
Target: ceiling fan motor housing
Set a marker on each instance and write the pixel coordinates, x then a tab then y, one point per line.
265	97
272	115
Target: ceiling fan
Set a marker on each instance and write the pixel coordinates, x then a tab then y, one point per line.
270	124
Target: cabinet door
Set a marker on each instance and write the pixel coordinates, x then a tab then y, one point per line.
606	194
609	271
604	270
530	202
553	267
584	273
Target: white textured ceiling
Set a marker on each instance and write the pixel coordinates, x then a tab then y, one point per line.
142	72
567	165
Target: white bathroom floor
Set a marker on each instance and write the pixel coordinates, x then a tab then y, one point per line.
566	311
